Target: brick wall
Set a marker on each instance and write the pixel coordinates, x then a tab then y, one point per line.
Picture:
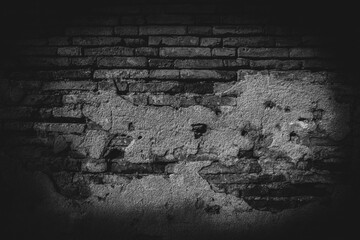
176	115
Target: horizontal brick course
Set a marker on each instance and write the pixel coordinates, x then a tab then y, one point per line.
185	52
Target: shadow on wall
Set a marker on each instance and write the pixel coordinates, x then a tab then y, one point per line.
36	207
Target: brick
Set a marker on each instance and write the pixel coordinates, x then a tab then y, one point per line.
287	41
60	127
207	74
187	101
64	74
121	73
239	62
123	62
69	51
169	19
109	85
237	30
134	42
199	30
69	85
223	52
161	63
95	21
137	99
44	61
83	61
109	51
199	63
89	31
36	51
71	111
185	52
132	20
127	31
164	100
210	42
147	51
164	74
276	64
174	41
162	30
59	41
41	99
248	41
263	52
308	53
199	87
165	87
96	41
94	165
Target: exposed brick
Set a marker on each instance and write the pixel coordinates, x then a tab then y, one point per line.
185	52
174	41
64	74
111	85
263	52
134	42
147	51
223	52
60	127
127	31
59	41
44	61
137	99
96	41
162	30
122	62
69	85
239	62
109	51
208	74
248	41
72	111
237	30
199	30
210	42
199	63
121	73
169	19
83	61
166	87
164	100
276	64
161	63
199	87
89	31
69	51
164	74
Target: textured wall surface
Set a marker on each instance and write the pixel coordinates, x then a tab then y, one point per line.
175	122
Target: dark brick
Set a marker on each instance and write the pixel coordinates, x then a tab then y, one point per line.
237	30
207	74
69	85
69	51
123	62
83	61
170	19
239	62
44	61
89	31
161	63
199	87
165	74
276	64
185	52
263	52
165	87
210	42
248	41
174	41
127	31
199	63
134	42
308	53
109	51
60	127
121	73
199	30
223	52
147	51
59	41
162	30
96	41
64	74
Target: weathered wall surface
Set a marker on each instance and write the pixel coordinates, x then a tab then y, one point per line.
174	122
